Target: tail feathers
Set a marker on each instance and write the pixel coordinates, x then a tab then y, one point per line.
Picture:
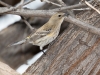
18	43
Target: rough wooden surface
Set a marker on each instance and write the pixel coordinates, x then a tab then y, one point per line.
6	70
75	52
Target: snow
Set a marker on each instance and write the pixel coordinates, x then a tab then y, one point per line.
7	20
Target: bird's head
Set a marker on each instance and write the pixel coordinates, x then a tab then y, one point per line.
57	17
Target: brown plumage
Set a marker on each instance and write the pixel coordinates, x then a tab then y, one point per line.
47	33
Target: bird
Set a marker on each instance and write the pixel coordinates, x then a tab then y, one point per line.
46	33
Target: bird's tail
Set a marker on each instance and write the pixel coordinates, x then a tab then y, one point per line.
18	43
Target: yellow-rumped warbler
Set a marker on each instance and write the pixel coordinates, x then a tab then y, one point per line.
47	33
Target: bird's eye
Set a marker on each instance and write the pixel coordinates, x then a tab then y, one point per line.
59	15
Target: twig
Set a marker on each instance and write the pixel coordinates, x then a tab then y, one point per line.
11	7
20	5
5	4
51	2
14	8
29	1
69	7
83	25
2	10
23	18
26	22
5	9
81	9
69	11
61	2
92	7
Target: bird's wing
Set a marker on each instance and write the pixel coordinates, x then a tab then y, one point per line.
40	33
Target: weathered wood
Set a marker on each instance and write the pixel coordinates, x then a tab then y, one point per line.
6	70
75	52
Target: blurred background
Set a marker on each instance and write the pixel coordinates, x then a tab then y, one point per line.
13	29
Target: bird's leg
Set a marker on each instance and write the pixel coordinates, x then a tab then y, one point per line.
43	52
41	48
